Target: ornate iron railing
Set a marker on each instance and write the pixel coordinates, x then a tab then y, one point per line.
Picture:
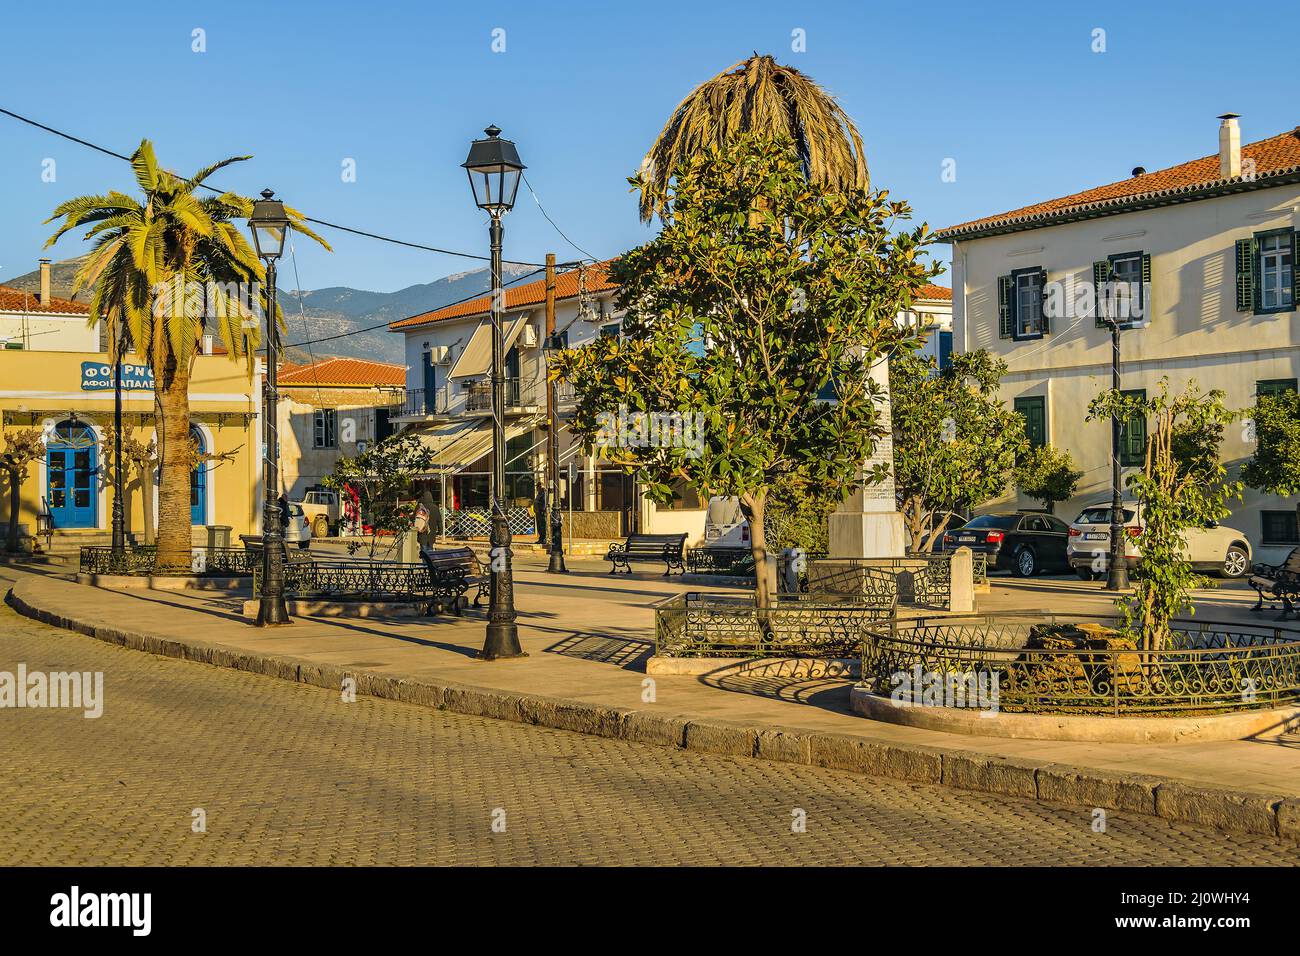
796	625
1054	663
922	580
361	580
141	559
735	561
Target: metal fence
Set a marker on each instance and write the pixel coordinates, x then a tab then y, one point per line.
477	522
141	560
1054	663
795	625
361	580
923	580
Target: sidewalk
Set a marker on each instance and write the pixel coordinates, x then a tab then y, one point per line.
587	635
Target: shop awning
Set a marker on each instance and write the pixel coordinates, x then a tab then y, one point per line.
476	358
457	445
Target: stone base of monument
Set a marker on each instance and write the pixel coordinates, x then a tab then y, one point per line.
866	534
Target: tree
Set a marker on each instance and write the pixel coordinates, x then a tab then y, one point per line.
382	477
757	95
758	294
22	447
955	441
162	268
1173	498
1274	468
1047	475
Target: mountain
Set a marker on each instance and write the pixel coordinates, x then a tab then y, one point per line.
333	314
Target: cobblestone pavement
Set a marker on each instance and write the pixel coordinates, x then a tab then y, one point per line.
288	774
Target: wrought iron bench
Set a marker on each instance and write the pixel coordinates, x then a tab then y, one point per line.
648	547
1278	582
453	572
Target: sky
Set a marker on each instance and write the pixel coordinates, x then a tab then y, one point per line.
1016	102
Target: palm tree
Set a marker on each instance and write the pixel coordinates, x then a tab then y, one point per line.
144	252
757	95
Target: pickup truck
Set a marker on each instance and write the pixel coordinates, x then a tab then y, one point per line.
322	510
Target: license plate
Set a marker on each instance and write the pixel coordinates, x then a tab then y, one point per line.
1096	535
966	538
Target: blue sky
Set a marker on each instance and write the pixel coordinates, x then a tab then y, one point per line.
1013	92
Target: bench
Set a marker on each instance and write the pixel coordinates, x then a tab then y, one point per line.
253	546
1278	582
648	547
454	571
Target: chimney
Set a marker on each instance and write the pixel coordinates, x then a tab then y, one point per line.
45	282
1229	147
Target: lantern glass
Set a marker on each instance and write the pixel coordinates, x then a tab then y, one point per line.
494	171
269	224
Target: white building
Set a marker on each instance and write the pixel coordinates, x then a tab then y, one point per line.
43	322
1207	249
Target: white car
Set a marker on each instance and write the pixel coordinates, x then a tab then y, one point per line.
296	529
1211	548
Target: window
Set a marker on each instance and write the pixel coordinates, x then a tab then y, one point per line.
1274	386
1133	436
1034	410
1280	527
326	428
945	349
1266	272
1275	272
1028	304
1127	293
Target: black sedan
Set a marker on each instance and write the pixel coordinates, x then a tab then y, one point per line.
1023	542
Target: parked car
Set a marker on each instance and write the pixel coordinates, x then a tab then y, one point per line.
322	511
1213	547
1023	542
935	518
296	529
724	525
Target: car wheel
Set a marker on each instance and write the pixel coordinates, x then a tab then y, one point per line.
320	528
1026	563
1235	563
1086	574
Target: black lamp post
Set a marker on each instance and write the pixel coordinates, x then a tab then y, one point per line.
554	343
118	551
1117	572
494	170
269	224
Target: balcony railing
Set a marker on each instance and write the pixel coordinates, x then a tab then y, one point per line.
520	392
425	401
472	397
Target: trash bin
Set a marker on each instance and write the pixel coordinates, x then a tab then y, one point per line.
218	535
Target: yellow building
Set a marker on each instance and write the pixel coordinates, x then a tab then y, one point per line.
69	396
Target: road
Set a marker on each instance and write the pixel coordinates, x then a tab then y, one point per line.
281	773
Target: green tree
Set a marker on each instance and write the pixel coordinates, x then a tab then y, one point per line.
955	441
1274	468
1173	498
146	251
757	295
383	477
1047	475
22	447
760	96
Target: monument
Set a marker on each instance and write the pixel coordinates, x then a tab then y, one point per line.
867	524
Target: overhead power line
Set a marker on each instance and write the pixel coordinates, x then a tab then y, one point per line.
319	222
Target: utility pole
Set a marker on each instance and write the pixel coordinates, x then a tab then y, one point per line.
556	564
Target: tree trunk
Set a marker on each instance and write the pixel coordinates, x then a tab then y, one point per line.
15	487
174	482
147	473
754	506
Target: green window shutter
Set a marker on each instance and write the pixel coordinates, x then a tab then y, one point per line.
1245	275
1042	298
1005	327
1146	287
1100	276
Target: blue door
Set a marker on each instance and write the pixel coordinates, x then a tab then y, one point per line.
199	483
72	467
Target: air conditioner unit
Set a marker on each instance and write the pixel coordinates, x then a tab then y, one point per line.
529	336
440	354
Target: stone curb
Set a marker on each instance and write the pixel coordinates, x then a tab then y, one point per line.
1226	810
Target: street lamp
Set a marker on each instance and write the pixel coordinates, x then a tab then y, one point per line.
494	170
553	344
118	551
269	223
1117	571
